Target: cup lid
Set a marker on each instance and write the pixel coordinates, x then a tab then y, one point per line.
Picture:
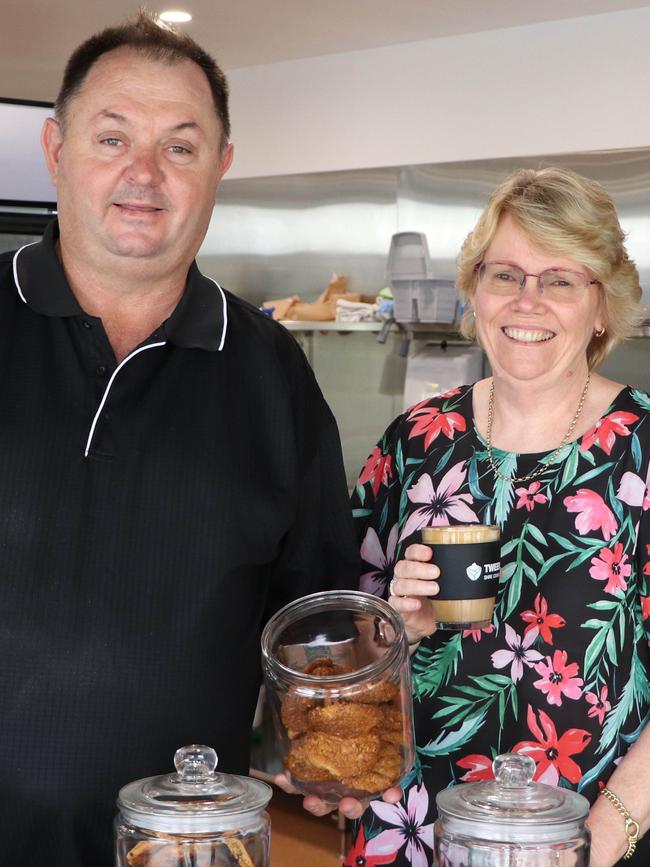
512	806
195	799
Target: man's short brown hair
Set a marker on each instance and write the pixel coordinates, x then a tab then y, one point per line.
153	40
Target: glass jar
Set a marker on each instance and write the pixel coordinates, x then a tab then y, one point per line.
337	674
194	817
511	821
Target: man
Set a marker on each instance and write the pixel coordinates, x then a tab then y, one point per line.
170	472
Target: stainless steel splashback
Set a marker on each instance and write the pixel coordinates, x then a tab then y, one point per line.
271	237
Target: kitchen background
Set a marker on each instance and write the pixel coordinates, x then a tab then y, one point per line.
274	237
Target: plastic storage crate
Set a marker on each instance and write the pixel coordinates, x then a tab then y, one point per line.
418	296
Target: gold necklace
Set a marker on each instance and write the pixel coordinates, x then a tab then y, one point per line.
544	466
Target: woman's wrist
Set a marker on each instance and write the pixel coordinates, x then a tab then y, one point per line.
631	826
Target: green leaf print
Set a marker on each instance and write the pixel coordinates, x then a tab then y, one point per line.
448	742
444	460
383	518
595	647
634	692
476	700
551	562
591	474
642	398
636	451
431	670
594	773
361	513
504	490
570	465
469	710
614	501
473	480
517	569
399	460
536	533
403	499
535	553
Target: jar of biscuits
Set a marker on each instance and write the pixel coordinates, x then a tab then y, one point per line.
337	675
195	816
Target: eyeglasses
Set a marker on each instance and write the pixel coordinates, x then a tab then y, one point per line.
555	284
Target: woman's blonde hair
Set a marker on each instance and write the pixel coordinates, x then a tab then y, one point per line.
571	216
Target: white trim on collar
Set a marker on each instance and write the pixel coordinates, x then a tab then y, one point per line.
225	314
16	281
108	387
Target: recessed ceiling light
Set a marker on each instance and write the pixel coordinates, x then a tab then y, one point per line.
175	16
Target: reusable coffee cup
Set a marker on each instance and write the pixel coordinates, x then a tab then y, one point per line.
468	556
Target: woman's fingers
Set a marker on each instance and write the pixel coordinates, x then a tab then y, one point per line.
392	795
414	578
282	782
351	808
317	807
423	553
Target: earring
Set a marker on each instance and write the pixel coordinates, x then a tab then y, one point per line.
599	333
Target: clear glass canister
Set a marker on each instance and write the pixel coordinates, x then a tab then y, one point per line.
511	821
194	817
337	675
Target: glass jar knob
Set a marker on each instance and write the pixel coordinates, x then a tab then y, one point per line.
514	770
196	763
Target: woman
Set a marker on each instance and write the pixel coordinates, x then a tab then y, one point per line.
558	457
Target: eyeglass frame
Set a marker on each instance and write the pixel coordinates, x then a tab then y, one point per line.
525	274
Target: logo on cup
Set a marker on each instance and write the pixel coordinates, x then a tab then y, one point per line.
474	572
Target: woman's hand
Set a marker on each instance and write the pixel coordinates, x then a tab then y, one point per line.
351	808
415	578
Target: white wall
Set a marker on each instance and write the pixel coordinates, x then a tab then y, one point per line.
573	85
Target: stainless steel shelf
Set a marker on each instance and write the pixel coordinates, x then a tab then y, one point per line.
291	325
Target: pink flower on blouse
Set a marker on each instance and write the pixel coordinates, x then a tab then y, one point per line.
408	828
611	566
604	432
478	768
529	496
645	603
634	491
553	754
439	504
558	679
476	634
430	422
377	469
593	513
599	704
371	551
540	622
518	655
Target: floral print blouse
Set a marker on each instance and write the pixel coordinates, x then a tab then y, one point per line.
563	672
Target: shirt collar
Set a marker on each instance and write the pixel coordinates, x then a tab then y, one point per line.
199	321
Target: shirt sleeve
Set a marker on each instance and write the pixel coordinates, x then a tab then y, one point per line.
319	551
375	512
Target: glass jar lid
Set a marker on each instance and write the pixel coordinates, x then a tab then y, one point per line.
196	799
512	807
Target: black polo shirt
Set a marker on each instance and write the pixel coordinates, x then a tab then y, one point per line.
152	515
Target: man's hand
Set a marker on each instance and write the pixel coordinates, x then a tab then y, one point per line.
351	808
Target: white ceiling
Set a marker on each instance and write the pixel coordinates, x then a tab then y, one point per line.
36	36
